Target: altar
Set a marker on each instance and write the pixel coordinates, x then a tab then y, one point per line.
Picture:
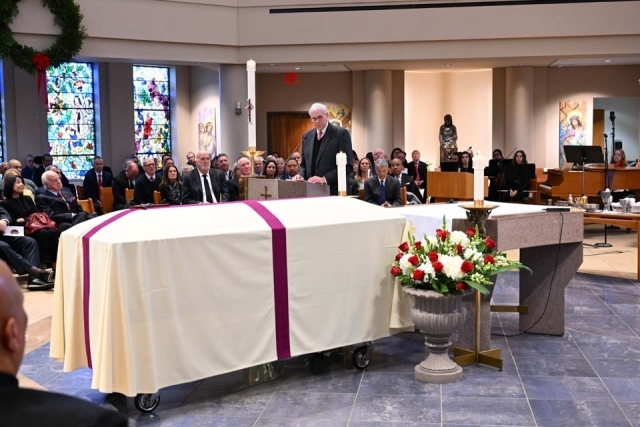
550	244
150	298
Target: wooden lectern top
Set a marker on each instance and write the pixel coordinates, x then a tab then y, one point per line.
452	185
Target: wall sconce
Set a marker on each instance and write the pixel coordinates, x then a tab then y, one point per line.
238	108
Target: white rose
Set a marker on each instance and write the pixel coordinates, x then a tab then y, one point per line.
429	272
459	238
405	265
452	266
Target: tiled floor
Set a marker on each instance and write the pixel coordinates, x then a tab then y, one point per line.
588	377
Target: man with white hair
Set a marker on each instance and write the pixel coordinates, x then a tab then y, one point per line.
378	153
203	184
59	203
257	165
319	148
244	166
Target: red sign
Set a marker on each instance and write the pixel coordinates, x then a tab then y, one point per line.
290	78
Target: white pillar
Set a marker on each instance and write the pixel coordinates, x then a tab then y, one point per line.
233	132
519	117
378	110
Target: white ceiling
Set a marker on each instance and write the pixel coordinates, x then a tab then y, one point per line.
600	61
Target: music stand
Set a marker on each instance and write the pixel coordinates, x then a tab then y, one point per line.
449	166
583	154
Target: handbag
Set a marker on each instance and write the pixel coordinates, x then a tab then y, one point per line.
38	221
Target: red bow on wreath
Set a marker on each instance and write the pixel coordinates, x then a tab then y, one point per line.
41	62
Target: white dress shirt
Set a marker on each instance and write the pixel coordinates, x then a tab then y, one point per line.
204	192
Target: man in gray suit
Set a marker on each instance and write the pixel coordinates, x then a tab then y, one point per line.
319	148
382	189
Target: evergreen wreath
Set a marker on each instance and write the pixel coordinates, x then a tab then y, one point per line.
67	16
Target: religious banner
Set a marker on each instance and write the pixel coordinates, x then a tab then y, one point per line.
572	125
207	138
340	115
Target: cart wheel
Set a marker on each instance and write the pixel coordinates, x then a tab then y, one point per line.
147	402
361	357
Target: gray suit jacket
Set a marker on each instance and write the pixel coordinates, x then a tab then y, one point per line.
391	187
335	140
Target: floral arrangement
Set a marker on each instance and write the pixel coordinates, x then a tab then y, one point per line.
450	262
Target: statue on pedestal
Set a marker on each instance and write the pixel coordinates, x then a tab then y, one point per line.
448	139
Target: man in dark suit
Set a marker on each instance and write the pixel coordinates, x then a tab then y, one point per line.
203	184
381	189
94	179
59	203
244	166
47	160
418	171
23	256
223	166
25	407
319	148
146	183
122	182
404	179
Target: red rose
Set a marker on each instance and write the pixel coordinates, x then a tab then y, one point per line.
471	231
489	243
404	247
418	275
467	267
433	256
437	267
395	271
413	260
489	259
441	234
461	286
459	247
418	245
400	255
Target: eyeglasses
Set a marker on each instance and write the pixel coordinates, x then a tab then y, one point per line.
317	119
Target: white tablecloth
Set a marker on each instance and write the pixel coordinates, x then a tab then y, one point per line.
428	218
175	294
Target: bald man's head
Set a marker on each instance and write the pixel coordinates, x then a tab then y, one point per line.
13	322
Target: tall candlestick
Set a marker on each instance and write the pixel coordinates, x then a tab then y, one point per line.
251	102
478	177
341	162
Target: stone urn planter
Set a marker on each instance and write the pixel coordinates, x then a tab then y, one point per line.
437	315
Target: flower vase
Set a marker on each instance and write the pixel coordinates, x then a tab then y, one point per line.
437	315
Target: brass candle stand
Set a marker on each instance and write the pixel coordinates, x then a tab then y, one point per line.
477	214
252	154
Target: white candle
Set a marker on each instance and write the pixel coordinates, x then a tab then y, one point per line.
251	83
341	162
478	177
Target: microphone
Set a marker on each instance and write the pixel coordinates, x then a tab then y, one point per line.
605	137
612	116
294	150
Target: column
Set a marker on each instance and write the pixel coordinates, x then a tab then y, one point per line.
233	133
378	110
519	117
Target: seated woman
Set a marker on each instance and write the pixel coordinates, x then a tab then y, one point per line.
27	192
20	206
363	172
518	187
465	164
618	159
171	186
270	169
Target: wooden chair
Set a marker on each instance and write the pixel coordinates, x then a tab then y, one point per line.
80	191
128	194
87	205
106	195
157	197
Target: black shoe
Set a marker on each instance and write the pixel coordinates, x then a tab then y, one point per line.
47	276
36	284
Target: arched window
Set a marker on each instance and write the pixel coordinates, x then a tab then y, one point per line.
71	117
152	111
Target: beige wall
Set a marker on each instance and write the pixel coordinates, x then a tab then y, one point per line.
467	96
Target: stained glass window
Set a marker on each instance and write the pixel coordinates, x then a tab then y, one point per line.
152	112
71	117
1	116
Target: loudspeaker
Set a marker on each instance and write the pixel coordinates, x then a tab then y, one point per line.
617	145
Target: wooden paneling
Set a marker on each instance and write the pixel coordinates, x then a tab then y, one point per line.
285	130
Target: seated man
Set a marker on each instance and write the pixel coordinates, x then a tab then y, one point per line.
244	166
94	179
146	183
17	166
26	407
47	160
203	184
122	182
291	169
381	189
59	203
405	180
23	256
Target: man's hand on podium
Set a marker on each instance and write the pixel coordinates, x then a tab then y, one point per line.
317	180
297	178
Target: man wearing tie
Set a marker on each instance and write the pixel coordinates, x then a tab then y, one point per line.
95	179
122	182
146	183
319	148
381	189
203	184
223	166
418	170
59	203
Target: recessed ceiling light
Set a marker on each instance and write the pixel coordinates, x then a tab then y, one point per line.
447	65
520	65
607	61
296	68
559	66
272	64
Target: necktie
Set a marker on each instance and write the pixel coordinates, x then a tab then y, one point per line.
207	189
63	199
319	135
151	179
417	172
383	197
130	184
99	180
